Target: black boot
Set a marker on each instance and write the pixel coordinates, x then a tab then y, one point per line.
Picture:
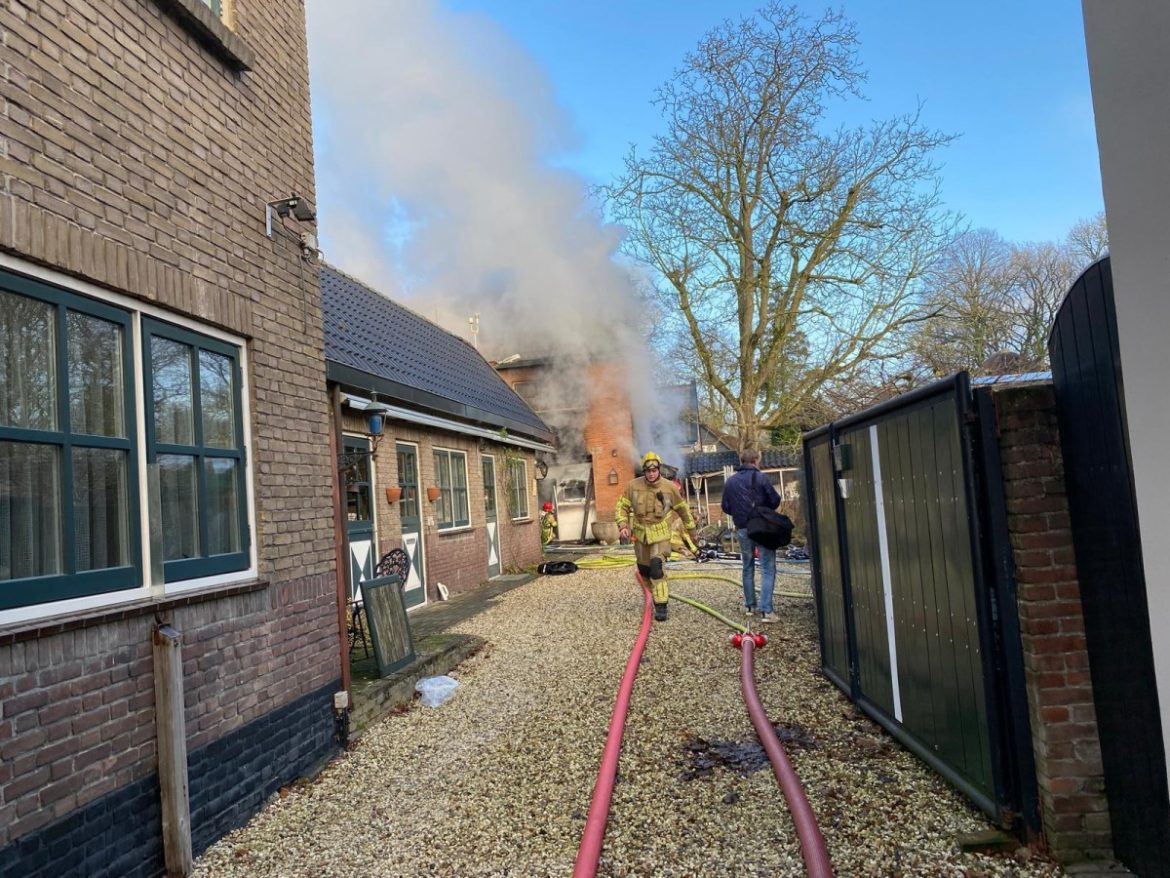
660	612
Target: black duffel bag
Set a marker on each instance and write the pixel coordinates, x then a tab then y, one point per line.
556	568
769	528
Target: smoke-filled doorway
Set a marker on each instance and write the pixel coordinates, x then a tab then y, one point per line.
572	497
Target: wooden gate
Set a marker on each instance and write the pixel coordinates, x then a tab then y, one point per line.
1086	375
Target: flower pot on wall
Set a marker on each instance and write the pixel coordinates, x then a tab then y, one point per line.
393	494
433	494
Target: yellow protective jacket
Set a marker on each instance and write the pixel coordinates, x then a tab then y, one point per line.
645	509
548	526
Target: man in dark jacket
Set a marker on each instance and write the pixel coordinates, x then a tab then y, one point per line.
744	491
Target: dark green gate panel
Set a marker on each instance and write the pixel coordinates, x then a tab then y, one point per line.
865	574
1090	403
936	625
827	560
894	544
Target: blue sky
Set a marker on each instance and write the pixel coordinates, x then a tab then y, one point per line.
456	140
1009	77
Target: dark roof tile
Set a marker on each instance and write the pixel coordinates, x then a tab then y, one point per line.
710	462
368	332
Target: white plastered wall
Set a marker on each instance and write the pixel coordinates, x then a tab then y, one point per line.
1128	45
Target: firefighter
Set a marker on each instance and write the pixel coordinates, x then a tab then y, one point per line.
643	510
548	524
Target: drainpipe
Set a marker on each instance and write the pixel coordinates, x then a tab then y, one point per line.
340	541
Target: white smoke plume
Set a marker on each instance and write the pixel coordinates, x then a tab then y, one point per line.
434	134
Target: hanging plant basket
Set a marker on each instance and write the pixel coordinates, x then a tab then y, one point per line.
433	494
393	494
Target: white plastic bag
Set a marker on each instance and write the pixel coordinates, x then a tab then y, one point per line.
436	690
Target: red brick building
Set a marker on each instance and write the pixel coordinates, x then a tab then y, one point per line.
456	447
597	426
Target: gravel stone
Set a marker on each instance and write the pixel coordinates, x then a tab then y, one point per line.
498	780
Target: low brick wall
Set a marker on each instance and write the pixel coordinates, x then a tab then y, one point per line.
77	731
1074	808
119	835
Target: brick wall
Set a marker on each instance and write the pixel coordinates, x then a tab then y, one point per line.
606	424
609	436
1074	809
130	156
135	159
458	559
118	835
78	699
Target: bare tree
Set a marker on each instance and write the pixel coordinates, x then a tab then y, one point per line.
1089	240
992	304
788	254
970	305
1041	275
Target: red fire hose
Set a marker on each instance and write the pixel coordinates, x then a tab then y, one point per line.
812	843
589	854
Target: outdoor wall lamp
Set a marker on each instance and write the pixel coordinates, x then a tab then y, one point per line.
541	469
375	415
613	476
295	206
349	462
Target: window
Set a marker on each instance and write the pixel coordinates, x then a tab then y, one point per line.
194	435
66	446
518	489
75	435
211	23
451	474
529	392
489	487
356	477
571	490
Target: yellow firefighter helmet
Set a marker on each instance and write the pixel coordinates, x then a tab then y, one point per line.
650	458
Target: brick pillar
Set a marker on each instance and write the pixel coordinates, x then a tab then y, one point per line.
1074	809
609	427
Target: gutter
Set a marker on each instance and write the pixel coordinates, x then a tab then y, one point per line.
359	403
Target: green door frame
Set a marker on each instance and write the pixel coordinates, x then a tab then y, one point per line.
414	592
357	497
491	515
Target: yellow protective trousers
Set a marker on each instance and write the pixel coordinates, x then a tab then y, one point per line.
645	553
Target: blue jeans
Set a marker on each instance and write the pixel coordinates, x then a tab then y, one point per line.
767	572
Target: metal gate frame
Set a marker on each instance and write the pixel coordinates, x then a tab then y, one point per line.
1012	799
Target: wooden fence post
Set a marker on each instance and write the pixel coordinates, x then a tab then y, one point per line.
172	750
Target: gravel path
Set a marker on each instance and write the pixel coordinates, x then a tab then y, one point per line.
498	780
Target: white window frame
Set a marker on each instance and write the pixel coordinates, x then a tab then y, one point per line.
447	495
151	585
521	487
